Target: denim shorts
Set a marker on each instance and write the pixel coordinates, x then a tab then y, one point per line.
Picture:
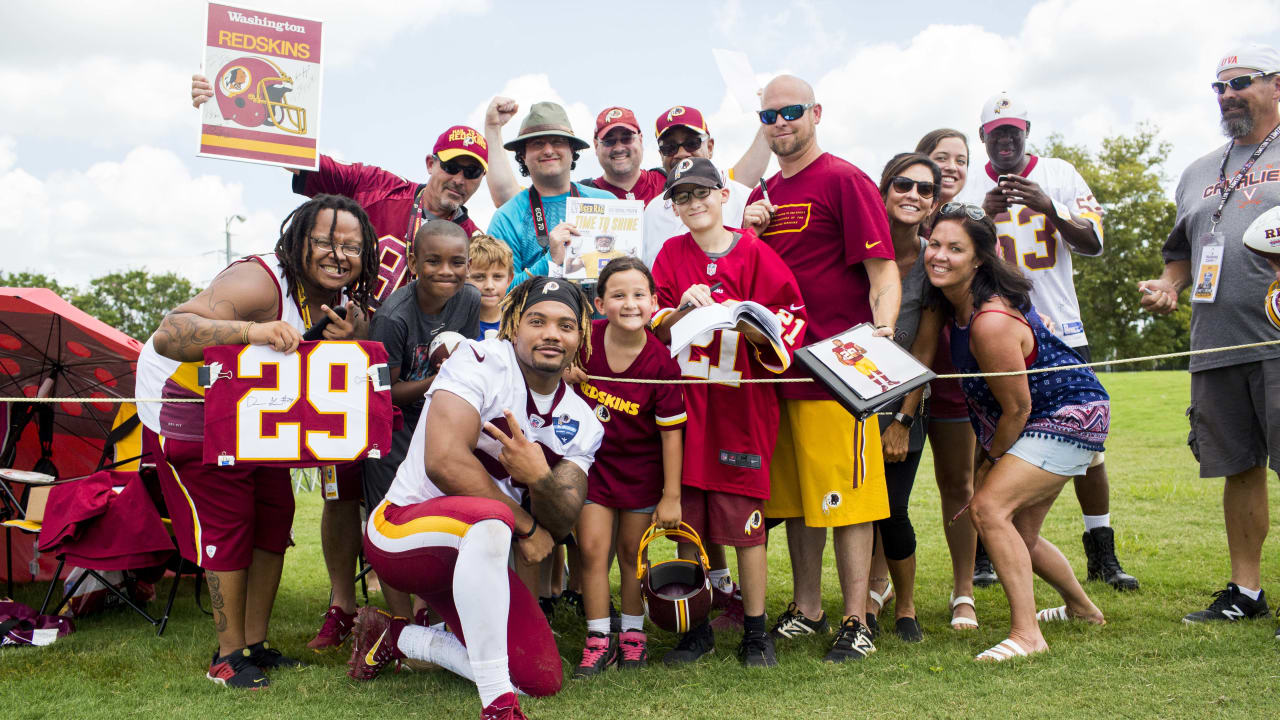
1056	456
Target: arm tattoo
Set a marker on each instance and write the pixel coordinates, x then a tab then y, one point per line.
558	498
184	336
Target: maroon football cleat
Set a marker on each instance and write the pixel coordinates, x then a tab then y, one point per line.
374	646
335	630
505	707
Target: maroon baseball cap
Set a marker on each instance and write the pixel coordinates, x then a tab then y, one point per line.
681	115
613	117
461	140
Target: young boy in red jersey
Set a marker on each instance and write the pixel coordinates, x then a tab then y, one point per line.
731	426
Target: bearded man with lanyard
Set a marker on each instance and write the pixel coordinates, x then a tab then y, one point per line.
1235	396
547	152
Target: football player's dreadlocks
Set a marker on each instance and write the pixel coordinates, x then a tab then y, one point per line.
513	306
294	247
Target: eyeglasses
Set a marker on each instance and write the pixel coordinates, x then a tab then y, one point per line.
902	185
671	148
789	113
325	245
682	198
1237	83
624	138
956	209
453	167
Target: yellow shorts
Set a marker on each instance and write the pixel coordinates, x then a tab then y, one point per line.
821	455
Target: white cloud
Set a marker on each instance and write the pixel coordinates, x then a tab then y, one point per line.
145	210
128	78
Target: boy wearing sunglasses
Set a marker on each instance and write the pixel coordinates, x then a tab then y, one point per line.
1044	212
682	133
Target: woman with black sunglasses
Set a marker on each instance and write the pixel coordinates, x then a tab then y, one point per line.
909	186
1035	431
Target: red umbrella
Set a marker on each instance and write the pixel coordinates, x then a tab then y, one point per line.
46	341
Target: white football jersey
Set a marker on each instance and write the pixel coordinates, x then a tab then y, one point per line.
485	374
661	223
1041	253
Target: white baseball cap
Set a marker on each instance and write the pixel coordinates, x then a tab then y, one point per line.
1251	56
1000	109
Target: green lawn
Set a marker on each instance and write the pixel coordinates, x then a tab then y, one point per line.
1144	663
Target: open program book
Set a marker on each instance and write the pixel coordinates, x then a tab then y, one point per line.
724	317
863	372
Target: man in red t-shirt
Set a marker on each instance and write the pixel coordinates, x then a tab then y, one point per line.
825	219
620	150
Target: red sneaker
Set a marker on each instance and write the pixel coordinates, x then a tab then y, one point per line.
505	707
731	618
335	630
374	646
720	599
633	650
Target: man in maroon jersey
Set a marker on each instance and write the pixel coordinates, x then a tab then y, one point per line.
620	150
826	220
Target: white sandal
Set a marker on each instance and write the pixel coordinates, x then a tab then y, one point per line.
881	598
1057	614
958	623
1007	649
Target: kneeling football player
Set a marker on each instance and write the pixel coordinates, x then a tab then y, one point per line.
498	463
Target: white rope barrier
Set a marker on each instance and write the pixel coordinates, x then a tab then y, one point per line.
742	381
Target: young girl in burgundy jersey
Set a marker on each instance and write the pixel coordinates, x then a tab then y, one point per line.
635	479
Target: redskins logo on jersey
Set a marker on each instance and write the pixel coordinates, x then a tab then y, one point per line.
754	521
830	502
602	413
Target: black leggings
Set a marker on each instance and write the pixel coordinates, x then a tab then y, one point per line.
896	531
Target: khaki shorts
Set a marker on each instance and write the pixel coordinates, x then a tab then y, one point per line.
827	468
1235	418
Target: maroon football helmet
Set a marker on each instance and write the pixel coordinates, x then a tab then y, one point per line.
251	91
677	593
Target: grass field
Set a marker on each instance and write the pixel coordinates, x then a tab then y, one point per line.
1143	663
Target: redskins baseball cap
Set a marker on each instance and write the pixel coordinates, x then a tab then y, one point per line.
1251	56
693	171
461	140
612	117
1000	109
546	119
684	116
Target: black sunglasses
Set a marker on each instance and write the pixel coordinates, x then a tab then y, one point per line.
903	185
956	209
789	113
453	167
671	148
624	138
1237	83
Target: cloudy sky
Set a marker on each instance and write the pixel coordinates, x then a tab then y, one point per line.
97	136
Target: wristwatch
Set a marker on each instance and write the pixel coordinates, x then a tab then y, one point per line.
905	419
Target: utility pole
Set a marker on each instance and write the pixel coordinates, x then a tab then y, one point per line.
227	232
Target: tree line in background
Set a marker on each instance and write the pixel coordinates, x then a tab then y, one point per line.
1126	175
131	301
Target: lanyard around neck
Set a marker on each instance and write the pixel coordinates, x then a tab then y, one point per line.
1228	188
